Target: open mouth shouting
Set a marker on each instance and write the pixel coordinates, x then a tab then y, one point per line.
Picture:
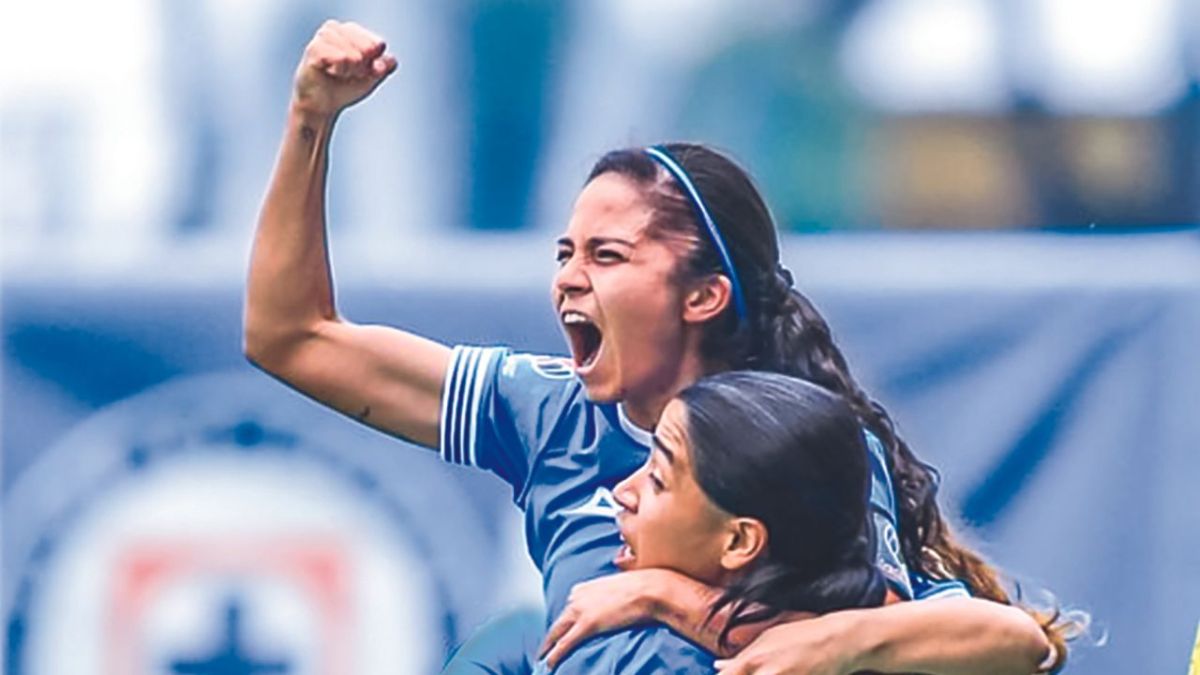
625	559
587	340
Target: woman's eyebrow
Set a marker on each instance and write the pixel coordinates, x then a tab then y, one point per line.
600	241
658	445
566	242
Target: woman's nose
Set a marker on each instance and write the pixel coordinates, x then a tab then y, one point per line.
625	493
571	278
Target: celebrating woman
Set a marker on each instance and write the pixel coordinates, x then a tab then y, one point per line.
668	271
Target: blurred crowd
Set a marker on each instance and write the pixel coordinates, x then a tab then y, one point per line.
144	127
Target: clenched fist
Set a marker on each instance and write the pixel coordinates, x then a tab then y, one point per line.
342	64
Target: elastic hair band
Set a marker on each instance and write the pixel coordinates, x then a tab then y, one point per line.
660	154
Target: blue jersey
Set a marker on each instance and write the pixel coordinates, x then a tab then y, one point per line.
527	419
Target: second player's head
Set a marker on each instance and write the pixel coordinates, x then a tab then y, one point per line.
757	482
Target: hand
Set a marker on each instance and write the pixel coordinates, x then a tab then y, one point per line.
805	647
342	64
601	605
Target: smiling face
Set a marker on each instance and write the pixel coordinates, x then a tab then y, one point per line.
668	521
617	296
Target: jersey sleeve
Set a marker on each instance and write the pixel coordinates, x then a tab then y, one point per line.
883	521
498	408
644	650
911	585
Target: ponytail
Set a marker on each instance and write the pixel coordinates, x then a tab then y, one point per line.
795	339
785	333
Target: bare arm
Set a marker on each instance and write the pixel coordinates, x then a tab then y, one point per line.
382	376
643	596
943	637
955	636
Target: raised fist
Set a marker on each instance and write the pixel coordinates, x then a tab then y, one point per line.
342	64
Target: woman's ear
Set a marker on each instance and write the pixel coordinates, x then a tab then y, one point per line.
745	541
707	299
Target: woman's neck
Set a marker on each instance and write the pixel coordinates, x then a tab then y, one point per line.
645	413
644	408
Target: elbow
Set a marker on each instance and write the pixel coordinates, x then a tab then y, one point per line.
253	348
256	338
1029	639
256	347
267	347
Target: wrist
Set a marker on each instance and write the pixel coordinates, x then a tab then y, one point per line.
652	596
309	115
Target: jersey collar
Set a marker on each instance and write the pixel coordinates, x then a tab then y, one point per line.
635	432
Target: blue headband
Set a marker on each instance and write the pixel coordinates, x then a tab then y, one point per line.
660	154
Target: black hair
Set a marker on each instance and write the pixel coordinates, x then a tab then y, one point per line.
784	333
792	455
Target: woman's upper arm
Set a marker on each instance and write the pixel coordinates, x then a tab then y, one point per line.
384	377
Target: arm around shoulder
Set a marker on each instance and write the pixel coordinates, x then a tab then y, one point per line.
954	636
948	636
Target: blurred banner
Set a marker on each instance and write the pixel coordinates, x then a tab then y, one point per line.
168	510
167	507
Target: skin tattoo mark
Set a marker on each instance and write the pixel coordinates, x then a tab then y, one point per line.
308	133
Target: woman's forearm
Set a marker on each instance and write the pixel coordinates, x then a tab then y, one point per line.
290	293
289	283
951	636
684	604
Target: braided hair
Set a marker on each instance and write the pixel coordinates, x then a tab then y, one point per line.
784	332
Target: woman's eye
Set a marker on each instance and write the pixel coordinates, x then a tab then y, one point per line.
609	256
562	256
657	483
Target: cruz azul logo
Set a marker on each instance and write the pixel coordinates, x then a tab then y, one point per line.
220	525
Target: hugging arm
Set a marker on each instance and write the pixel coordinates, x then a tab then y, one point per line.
953	636
948	636
645	596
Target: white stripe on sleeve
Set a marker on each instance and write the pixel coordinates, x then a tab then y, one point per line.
447	417
473	415
461	401
465	427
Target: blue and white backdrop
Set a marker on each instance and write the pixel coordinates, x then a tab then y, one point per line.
167	509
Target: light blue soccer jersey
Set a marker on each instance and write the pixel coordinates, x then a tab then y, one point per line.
907	584
527	419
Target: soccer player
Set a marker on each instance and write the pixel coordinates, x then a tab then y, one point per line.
759	485
669	270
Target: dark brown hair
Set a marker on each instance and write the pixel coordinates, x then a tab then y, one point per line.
785	333
792	455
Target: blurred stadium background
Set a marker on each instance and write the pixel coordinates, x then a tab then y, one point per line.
994	201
